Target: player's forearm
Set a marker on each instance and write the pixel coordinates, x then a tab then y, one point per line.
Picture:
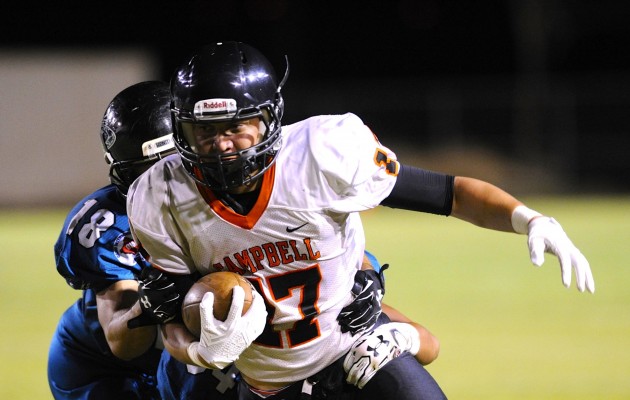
128	343
116	305
483	204
429	344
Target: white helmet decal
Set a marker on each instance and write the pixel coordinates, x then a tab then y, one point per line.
214	108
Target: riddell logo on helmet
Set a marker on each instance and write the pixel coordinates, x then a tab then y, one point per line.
215	106
220	104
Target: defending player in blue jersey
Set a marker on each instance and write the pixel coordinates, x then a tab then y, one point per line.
93	353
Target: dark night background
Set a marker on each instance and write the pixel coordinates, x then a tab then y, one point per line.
532	95
541	83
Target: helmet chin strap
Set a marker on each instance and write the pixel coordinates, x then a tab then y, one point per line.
241	203
228	200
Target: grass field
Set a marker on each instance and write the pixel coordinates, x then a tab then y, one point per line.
508	330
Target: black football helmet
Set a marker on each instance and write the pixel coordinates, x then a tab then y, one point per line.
136	131
227	81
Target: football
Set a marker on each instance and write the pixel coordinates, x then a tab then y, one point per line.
221	284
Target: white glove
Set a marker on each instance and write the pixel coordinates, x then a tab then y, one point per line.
374	349
546	235
222	342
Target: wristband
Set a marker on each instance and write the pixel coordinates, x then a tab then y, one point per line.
521	217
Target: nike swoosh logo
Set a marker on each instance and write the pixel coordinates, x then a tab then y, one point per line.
296	228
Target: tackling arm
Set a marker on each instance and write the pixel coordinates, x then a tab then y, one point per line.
116	305
400	335
429	344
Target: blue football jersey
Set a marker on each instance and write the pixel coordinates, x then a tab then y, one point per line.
95	248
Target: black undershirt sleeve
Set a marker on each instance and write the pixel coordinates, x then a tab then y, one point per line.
421	190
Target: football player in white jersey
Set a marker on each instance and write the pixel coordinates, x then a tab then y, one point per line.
281	207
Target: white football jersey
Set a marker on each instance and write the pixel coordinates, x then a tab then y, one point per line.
300	245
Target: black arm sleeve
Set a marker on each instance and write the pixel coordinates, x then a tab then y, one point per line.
417	189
